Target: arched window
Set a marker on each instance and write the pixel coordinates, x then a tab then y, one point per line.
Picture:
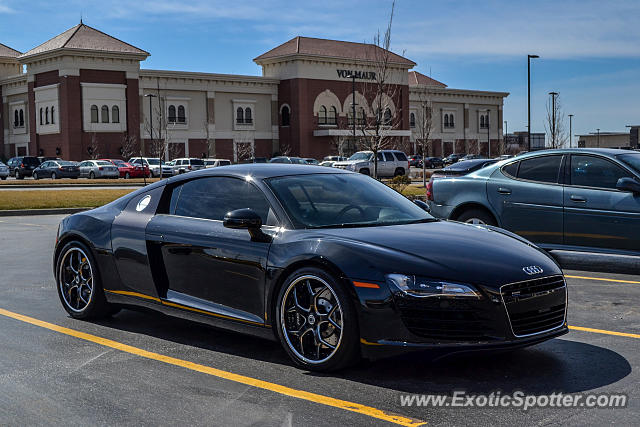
239	116
41	116
451	124
248	117
360	116
94	114
378	116
104	113
332	118
486	121
115	114
482	121
322	115
182	117
46	115
16	121
286	116
172	113
21	117
412	120
53	117
387	117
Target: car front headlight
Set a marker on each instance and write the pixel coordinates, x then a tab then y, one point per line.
423	287
351	166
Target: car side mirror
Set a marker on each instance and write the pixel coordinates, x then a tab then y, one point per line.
423	205
246	219
628	184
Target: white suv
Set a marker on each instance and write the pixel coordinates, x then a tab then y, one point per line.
390	163
154	165
214	163
187	165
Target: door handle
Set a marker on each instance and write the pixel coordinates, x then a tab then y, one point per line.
503	190
578	199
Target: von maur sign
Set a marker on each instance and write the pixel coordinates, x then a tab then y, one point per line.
363	75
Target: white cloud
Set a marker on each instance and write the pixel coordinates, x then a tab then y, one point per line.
4	7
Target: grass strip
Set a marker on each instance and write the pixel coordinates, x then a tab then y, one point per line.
49	199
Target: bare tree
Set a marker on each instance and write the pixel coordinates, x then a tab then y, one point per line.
243	143
554	126
423	129
340	145
129	146
377	131
211	142
92	148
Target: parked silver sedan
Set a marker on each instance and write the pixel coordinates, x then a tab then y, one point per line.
98	169
4	171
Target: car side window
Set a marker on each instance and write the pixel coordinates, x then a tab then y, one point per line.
213	197
402	157
591	171
540	169
380	158
511	169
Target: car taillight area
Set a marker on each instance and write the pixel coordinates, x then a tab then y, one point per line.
430	190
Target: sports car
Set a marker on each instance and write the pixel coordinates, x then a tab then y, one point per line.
333	264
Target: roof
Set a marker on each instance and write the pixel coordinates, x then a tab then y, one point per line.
416	78
84	37
331	48
602	151
261	170
7	52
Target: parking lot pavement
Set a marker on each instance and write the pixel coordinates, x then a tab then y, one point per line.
145	368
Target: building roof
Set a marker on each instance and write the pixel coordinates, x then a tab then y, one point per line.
331	48
84	37
416	78
7	52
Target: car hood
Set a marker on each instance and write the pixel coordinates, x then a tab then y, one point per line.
452	251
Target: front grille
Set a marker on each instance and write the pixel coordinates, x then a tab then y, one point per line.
535	306
445	320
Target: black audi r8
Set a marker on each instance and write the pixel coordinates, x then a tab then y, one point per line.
333	264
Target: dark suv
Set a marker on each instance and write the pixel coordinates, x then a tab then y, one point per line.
22	166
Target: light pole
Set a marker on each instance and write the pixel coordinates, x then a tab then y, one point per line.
529	99
553	118
150	96
504	138
570	129
598	137
488	133
353	105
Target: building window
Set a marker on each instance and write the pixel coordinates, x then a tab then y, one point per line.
21	118
46	115
446	120
16	121
115	114
240	115
286	116
182	117
332	118
412	120
451	123
387	117
53	117
482	125
360	116
94	114
322	115
484	121
104	113
172	113
41	116
248	118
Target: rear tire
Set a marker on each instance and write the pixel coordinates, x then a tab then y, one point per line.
18	176
53	175
316	322
127	175
92	175
477	216
399	172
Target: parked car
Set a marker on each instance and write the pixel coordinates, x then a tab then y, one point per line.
505	156
214	163
415	161
390	163
127	170
434	162
55	169
463	167
353	266
98	169
255	160
335	159
22	166
571	199
4	171
311	161
452	158
186	164
156	167
327	163
289	160
471	157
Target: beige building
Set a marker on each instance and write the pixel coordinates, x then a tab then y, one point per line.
605	140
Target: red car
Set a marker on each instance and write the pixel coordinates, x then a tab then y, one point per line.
127	170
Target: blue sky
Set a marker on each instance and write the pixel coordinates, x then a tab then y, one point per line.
590	50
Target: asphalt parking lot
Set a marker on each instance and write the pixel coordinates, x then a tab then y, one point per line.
148	369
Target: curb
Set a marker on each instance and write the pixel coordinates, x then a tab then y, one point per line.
54	211
35	186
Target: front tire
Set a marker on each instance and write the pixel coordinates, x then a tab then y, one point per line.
127	175
18	176
35	176
78	282
92	175
316	322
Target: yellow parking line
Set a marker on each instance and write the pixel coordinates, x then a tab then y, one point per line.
253	382
603	331
603	279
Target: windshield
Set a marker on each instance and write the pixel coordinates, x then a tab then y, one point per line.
343	200
119	163
197	162
632	160
361	156
66	163
103	163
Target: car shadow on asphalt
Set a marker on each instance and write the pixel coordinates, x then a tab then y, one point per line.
558	365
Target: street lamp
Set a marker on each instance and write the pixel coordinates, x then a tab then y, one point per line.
598	137
150	96
553	118
504	137
570	123
529	57
488	133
